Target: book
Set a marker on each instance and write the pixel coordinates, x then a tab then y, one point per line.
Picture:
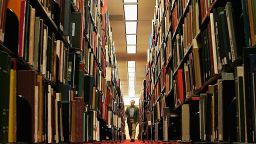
49	114
75	29
185	122
26	31
180	88
11	31
196	64
5	63
66	106
31	36
12	126
28	95
231	31
202	117
241	107
67	16
88	86
2	19
226	119
40	132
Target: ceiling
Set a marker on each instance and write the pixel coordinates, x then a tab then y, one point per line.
117	22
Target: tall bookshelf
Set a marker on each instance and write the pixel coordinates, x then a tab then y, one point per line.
199	79
59	76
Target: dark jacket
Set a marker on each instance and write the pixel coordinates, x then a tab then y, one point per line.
135	116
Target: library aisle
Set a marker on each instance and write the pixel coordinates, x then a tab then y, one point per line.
87	71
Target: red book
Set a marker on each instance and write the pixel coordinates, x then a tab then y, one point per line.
79	109
180	86
202	8
26	82
175	18
21	28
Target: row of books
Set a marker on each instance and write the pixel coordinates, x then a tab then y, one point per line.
200	50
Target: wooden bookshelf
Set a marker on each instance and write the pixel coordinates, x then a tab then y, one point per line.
183	60
41	10
181	19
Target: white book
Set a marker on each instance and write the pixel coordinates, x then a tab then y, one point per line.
36	114
214	47
45	46
49	117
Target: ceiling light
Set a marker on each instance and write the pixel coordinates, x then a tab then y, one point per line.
130	1
131	49
131	83
131	27
131	78
131	39
131	63
130	12
131	74
131	86
131	69
131	90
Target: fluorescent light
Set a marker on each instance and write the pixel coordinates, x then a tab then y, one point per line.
130	12
131	63
131	39
132	90
131	74
131	86
131	27
131	79
131	69
131	49
130	1
131	83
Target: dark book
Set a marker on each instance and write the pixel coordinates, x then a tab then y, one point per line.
81	82
24	120
27	91
226	108
65	89
26	31
241	107
87	17
223	36
246	26
231	31
251	98
75	21
67	14
5	66
249	58
55	12
73	67
88	88
11	31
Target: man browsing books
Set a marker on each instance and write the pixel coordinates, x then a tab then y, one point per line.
132	113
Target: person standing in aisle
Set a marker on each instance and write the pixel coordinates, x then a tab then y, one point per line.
132	114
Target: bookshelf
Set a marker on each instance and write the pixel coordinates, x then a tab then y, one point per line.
197	70
59	73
